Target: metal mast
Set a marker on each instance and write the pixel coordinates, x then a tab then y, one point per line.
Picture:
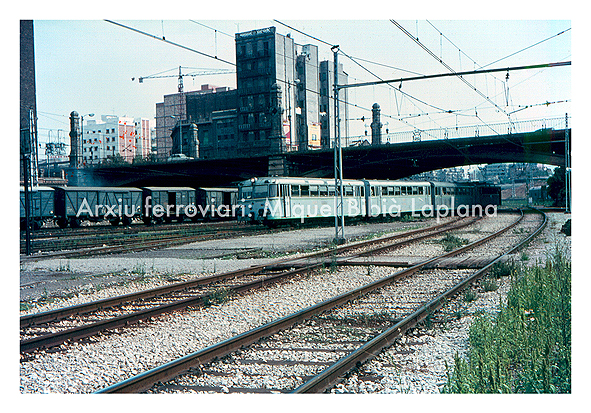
339	219
567	164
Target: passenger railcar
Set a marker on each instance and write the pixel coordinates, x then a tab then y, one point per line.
268	199
275	199
488	194
393	197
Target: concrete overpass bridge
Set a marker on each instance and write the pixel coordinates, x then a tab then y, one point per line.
389	160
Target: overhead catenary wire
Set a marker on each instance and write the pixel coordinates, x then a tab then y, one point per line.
416	40
525	48
162	39
354	60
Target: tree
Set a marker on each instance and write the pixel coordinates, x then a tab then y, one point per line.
557	186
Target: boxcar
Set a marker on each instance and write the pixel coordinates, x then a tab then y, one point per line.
215	203
75	204
42	206
167	204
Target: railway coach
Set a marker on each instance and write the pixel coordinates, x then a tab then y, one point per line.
275	199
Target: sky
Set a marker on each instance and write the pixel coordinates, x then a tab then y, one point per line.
88	66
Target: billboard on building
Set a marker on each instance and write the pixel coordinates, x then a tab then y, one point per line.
314	135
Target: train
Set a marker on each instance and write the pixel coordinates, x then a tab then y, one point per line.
266	200
70	206
271	200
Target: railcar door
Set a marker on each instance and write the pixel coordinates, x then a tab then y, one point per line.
286	199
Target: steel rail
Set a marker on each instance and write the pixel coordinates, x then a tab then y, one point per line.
53	315
77	333
372	348
168	371
126	245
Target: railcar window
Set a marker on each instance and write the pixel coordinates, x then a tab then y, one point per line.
313	190
305	190
323	190
260	191
396	191
295	190
420	189
273	190
402	190
415	190
245	193
331	190
348	190
384	190
358	191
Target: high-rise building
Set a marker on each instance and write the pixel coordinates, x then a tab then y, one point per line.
307	109
115	136
265	79
282	103
327	108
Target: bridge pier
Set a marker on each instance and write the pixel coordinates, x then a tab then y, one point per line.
279	166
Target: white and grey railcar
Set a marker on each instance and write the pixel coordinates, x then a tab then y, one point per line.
275	199
394	198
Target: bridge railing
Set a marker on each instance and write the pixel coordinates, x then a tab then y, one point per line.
488	129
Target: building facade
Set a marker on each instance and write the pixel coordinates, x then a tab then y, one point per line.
277	107
115	137
327	108
265	79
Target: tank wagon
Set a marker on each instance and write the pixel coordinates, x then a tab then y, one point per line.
273	199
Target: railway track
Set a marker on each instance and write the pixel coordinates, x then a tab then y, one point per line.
52	328
340	354
105	240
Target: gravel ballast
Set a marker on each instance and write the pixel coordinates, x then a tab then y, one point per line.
88	366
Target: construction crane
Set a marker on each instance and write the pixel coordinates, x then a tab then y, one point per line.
194	73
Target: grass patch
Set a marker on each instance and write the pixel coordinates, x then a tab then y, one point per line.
526	348
489	284
219	296
451	242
